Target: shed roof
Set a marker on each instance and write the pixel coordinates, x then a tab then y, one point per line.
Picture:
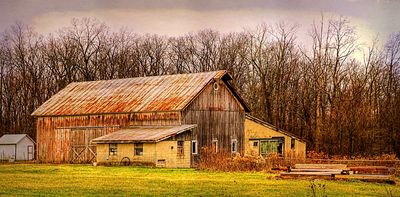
9	139
143	134
142	94
266	124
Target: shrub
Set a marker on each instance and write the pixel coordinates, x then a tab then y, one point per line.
226	161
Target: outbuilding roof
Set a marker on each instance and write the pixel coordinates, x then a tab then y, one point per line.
10	139
143	134
142	94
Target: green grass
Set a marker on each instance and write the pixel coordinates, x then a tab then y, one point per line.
81	180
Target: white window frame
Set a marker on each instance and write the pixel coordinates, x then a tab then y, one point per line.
216	145
234	148
196	150
112	150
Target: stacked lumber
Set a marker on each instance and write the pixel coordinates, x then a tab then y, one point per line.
370	170
320	171
339	172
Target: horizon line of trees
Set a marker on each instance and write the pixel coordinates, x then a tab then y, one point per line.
321	93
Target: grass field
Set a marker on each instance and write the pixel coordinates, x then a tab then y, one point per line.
81	180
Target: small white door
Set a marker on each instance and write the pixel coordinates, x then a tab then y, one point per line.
30	152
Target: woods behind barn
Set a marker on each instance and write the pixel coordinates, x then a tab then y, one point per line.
318	92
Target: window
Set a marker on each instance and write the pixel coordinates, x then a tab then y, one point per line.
113	148
215	146
194	147
138	149
234	146
180	149
255	143
273	145
292	143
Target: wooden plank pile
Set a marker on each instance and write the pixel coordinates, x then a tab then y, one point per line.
339	172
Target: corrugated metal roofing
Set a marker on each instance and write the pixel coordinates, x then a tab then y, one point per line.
142	134
142	94
11	138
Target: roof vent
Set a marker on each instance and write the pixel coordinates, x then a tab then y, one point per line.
215	85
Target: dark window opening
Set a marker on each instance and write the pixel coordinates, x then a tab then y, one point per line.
234	146
194	147
138	149
292	143
113	148
255	143
280	148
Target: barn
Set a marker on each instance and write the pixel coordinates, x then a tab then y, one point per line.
16	147
106	120
262	138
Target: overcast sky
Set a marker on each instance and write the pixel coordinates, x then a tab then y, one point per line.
166	17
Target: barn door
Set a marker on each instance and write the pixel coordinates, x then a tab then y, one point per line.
82	150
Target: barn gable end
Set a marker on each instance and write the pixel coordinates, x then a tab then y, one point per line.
219	116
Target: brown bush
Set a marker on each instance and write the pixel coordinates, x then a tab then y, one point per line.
226	161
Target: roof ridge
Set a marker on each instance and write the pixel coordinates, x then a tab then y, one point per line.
166	75
166	93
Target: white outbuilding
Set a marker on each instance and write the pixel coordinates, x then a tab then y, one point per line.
19	147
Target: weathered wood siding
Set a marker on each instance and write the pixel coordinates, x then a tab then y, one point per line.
218	115
56	135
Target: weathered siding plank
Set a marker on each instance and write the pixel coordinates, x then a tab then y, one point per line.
218	115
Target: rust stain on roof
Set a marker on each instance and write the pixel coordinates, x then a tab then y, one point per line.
143	134
142	94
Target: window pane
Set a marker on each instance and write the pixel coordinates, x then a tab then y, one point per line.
292	144
194	147
112	149
139	149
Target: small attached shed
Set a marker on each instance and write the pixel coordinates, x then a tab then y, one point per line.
263	139
19	147
163	146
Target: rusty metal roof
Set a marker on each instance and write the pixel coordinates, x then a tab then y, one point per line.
143	134
142	94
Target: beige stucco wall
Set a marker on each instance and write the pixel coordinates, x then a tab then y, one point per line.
256	130
152	153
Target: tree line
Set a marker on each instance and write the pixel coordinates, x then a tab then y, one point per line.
317	90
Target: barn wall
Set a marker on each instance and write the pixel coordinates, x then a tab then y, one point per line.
256	130
218	115
55	135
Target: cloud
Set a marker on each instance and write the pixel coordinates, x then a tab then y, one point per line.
168	17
